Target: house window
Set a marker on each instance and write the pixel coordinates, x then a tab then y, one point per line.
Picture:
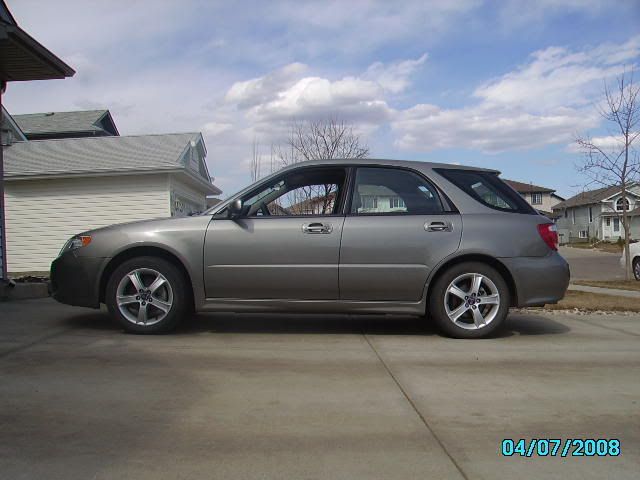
608	221
590	215
573	216
622	204
369	203
616	224
583	234
396	202
536	198
566	213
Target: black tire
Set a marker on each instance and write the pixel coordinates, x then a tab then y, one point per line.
636	268
438	294
180	304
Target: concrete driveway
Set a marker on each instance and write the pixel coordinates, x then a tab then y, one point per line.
287	397
592	264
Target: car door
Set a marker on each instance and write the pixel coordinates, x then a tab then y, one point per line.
286	245
397	229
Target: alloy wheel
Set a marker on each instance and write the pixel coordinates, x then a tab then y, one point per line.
144	296
472	301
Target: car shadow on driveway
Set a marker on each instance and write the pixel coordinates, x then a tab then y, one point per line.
271	323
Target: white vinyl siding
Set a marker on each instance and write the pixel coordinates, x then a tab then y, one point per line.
41	215
188	196
1	250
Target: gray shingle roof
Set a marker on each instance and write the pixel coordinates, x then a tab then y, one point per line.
587	198
60	122
521	187
96	154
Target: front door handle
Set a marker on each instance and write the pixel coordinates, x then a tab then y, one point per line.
317	228
438	226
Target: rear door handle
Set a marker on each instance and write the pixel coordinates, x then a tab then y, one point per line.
438	226
317	228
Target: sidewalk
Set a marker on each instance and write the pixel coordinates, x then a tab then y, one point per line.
606	291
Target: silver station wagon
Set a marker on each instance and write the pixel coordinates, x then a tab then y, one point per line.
454	244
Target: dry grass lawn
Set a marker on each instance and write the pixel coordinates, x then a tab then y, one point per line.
603	247
619	284
593	302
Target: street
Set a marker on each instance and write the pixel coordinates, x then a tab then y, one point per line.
589	264
268	396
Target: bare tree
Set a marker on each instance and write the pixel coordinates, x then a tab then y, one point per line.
321	139
616	162
317	140
256	160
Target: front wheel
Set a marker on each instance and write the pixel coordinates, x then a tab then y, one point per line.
469	300
147	295
636	268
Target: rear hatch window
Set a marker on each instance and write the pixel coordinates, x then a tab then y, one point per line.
488	189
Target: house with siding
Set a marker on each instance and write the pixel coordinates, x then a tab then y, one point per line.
22	58
542	199
58	187
597	214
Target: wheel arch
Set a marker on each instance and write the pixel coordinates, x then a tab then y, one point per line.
143	251
475	257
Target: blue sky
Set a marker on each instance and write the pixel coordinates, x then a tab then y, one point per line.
501	84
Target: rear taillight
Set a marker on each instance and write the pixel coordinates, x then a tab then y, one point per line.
549	233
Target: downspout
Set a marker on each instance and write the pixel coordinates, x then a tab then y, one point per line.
3	231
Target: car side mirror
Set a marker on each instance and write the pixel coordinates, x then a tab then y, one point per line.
235	208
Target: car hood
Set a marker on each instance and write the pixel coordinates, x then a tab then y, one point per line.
152	224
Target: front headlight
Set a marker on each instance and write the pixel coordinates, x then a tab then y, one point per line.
76	242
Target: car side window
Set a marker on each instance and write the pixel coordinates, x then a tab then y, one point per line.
393	191
311	191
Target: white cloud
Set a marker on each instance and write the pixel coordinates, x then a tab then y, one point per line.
394	77
427	127
216	128
558	77
545	101
350	98
515	14
279	97
262	89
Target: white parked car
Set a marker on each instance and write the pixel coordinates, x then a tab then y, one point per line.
634	249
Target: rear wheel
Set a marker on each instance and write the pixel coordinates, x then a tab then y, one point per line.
636	268
469	300
147	295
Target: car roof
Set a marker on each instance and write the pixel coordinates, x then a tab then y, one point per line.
386	162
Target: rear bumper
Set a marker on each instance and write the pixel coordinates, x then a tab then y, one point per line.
75	280
539	280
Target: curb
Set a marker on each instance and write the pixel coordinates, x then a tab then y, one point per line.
23	291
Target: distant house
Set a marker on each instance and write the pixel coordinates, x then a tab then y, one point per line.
542	199
56	188
598	214
78	124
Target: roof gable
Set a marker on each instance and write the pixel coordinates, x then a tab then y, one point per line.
67	123
10	126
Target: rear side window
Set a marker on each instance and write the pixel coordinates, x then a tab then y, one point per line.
393	191
488	189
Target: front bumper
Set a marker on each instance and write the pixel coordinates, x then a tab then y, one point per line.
76	280
539	280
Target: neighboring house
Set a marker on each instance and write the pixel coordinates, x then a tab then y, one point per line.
22	58
78	124
57	188
598	214
541	198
